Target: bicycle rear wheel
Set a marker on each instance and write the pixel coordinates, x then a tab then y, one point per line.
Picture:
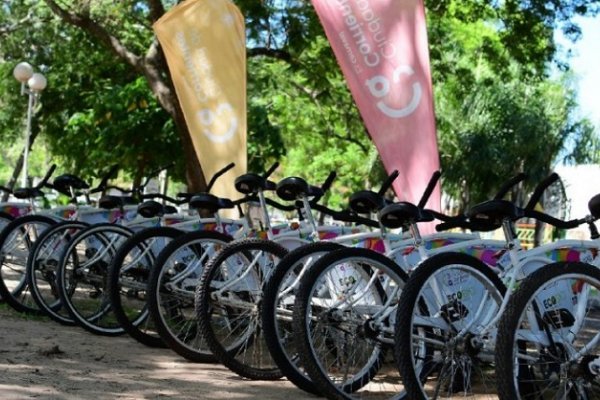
5	219
343	321
82	275
228	301
128	282
278	308
549	336
42	265
16	241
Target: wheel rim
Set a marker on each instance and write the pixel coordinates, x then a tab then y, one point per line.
548	365
449	353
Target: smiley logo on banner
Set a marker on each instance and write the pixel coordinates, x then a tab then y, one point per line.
208	117
380	87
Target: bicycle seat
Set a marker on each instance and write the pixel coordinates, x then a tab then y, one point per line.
252	183
64	183
152	208
110	201
397	215
367	202
27	193
210	203
594	206
293	188
493	212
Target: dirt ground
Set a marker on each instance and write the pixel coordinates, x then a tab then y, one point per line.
40	359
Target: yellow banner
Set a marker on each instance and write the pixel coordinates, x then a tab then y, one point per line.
204	42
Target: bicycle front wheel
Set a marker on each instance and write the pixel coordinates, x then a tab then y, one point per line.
443	345
549	336
171	289
82	275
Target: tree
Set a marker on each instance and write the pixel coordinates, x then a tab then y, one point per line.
110	77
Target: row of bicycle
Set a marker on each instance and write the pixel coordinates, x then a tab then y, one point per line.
347	312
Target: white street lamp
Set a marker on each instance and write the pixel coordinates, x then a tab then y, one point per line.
32	85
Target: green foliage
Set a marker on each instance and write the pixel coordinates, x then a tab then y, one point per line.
531	129
497	110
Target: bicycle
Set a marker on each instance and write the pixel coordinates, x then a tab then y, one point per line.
16	240
43	260
548	341
345	306
446	348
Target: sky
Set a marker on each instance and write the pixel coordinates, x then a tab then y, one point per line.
586	64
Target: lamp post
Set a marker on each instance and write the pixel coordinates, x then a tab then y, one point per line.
32	84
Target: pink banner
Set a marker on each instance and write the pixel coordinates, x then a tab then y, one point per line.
381	46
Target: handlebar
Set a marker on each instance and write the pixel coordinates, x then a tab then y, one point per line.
429	189
327	184
124	191
217	175
509	184
388	182
558	223
153	174
271	170
346	216
44	180
270	202
539	190
163	197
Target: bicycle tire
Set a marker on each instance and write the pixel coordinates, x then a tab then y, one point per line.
171	306
413	301
536	294
82	274
5	219
42	266
137	321
280	337
346	355
245	291
16	294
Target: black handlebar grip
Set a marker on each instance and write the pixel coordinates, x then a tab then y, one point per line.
159	170
5	189
217	175
509	184
111	172
271	170
539	190
388	182
47	176
430	186
327	184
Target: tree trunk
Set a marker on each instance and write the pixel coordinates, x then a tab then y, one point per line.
154	68
193	170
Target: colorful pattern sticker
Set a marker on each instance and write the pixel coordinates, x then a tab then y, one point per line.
373	243
63	212
228	228
583	254
277	230
16	209
488	255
